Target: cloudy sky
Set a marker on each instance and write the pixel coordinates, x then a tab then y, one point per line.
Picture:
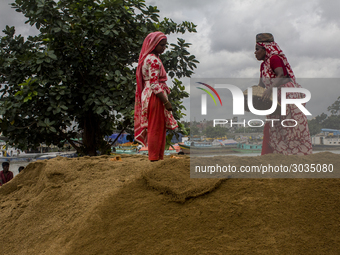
308	32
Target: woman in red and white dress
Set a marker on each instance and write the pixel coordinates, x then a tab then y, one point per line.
153	111
277	72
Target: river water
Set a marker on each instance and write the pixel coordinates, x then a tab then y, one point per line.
251	154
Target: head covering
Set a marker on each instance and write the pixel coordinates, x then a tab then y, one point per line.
266	40
264	37
149	44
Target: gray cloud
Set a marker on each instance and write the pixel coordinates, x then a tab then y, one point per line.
329	11
9	17
308	31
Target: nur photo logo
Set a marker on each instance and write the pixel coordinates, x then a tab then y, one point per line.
204	96
238	99
238	103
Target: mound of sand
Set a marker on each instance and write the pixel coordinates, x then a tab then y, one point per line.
94	205
173	180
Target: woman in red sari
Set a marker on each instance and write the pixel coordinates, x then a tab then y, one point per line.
152	108
277	72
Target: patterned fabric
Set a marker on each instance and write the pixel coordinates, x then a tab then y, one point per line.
7	178
285	140
264	37
151	78
149	44
156	129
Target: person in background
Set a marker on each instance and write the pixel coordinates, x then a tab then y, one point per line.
153	111
21	168
5	174
276	72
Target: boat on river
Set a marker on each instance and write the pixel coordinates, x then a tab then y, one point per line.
28	157
127	148
173	149
248	148
202	147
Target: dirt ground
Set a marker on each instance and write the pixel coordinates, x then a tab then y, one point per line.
93	205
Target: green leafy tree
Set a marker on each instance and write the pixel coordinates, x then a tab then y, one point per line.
76	78
332	122
249	130
214	132
321	118
335	107
315	124
185	128
314	127
194	130
324	121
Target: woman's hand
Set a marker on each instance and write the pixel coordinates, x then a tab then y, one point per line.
267	93
168	106
165	101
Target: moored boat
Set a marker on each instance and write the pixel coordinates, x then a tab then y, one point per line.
248	148
202	147
127	148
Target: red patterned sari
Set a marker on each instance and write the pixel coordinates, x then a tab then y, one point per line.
292	140
150	114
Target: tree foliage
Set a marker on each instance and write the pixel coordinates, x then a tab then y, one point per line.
335	107
76	78
332	122
249	130
324	121
215	132
315	124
